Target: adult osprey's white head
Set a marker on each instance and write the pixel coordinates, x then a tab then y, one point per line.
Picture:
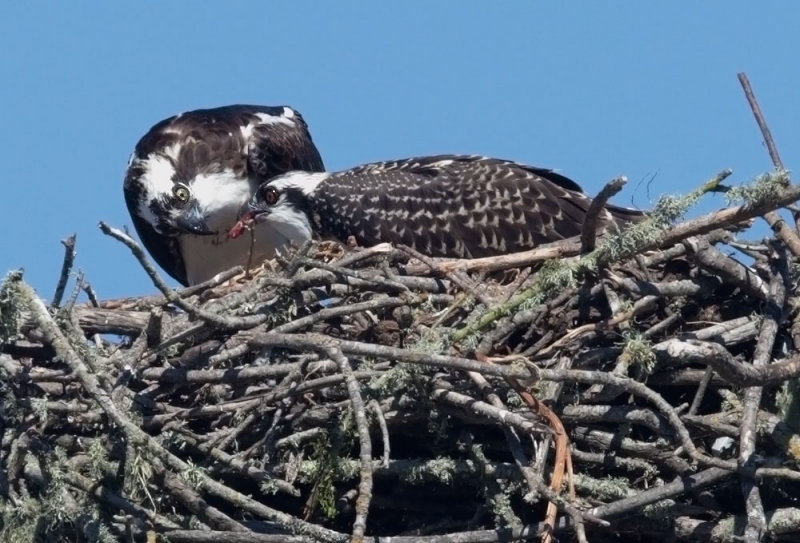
446	205
190	174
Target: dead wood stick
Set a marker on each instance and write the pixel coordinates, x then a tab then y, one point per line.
643	391
718	357
721	218
779	432
465	283
66	269
329	312
189	497
373	281
375	407
532	478
569	247
773	316
104	494
307	341
589	229
236	375
701	391
235	464
365	444
358	256
659	455
774	219
781	525
214	319
500	535
160	299
615	414
221	536
710	258
244	404
680	486
616	461
762	123
641	305
484	409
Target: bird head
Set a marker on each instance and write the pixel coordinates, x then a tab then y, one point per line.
285	203
176	200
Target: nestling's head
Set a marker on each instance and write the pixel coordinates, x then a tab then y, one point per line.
283	203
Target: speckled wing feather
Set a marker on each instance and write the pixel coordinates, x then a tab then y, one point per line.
454	206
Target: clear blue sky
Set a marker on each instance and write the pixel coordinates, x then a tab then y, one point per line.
594	89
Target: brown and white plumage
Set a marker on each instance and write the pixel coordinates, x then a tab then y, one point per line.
190	174
447	205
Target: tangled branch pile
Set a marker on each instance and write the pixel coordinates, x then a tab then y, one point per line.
646	388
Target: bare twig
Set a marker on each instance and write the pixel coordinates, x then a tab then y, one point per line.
589	230
762	123
212	318
66	268
756	521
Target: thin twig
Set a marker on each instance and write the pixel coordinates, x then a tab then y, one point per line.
762	123
774	219
66	268
226	323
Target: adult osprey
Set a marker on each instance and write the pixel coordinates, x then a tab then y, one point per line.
447	205
190	174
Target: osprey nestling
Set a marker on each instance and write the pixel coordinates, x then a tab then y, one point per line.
448	206
190	174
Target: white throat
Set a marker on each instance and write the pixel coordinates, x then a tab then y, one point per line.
219	197
206	256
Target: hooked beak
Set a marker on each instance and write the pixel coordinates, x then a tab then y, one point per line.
252	209
192	221
251	212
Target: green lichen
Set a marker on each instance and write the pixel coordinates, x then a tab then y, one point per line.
400	377
20	519
637	350
660	511
430	341
193	475
138	473
764	188
11	305
438	469
268	487
606	489
50	514
323	493
788	402
99	464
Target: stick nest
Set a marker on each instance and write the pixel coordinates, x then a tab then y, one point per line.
645	389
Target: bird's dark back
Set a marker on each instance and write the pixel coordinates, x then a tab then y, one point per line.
454	206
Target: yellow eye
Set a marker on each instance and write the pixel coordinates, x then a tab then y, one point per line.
181	192
270	196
